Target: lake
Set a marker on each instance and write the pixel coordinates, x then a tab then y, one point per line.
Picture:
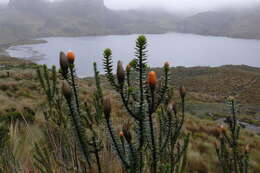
179	49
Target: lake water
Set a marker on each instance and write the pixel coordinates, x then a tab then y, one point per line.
179	49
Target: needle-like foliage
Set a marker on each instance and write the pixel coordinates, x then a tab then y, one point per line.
233	158
152	139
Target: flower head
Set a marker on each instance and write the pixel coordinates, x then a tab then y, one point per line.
182	92
64	64
70	57
152	79
107	107
128	68
66	89
120	73
166	65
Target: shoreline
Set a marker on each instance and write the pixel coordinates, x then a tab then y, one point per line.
4	47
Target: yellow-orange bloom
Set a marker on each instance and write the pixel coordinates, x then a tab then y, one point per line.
152	79
70	57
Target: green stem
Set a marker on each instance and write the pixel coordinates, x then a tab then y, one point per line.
74	87
116	145
96	154
152	135
79	133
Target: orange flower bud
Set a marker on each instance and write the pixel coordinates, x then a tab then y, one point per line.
152	79
70	57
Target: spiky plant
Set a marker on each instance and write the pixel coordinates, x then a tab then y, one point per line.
144	101
67	132
83	117
233	158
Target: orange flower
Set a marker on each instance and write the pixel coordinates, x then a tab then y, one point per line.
71	57
152	79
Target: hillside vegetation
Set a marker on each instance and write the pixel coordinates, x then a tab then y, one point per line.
21	94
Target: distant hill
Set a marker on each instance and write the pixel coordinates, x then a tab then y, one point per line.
231	23
26	19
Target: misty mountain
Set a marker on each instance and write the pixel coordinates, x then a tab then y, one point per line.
231	23
25	19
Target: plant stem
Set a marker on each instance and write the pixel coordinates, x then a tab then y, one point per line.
115	144
152	135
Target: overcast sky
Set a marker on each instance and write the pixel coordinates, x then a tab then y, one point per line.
177	5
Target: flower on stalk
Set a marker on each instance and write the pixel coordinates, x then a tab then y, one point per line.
107	107
182	92
120	73
64	64
70	57
152	80
128	68
126	132
166	66
66	89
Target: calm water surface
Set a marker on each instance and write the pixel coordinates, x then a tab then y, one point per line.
178	49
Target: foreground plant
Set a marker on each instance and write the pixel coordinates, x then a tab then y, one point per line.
233	158
72	135
154	141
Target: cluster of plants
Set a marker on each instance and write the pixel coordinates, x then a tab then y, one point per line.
151	138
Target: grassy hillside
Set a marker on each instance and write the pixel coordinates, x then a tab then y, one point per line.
207	87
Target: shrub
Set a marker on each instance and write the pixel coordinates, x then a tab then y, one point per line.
157	143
